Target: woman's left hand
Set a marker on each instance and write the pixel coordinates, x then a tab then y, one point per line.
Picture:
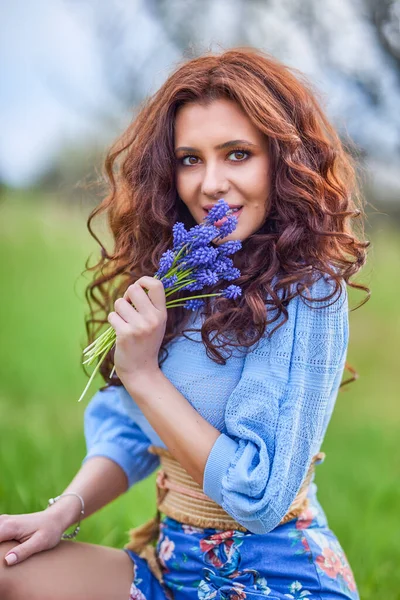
140	330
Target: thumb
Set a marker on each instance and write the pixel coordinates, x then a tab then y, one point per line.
23	551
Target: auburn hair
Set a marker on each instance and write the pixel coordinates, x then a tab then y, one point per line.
315	222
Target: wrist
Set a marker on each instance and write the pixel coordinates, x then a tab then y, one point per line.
143	381
66	511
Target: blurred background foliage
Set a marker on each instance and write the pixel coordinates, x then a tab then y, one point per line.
74	73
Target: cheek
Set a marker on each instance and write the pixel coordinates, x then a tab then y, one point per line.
185	184
254	181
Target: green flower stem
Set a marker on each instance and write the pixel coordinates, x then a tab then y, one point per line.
181	281
177	287
92	375
105	346
171	303
99	348
175	267
97	339
177	271
104	342
100	342
108	336
182	249
96	342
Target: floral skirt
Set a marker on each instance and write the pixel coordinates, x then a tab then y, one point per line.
299	559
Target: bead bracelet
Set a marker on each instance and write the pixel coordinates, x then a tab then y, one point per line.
70	536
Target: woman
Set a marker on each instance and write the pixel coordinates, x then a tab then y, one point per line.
245	429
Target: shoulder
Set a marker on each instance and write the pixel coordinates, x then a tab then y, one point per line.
317	313
324	303
326	286
321	297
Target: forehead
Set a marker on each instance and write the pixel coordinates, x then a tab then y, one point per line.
220	118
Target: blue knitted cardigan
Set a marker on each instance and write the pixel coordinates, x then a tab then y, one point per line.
272	405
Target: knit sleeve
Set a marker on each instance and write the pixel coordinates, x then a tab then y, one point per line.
277	415
110	432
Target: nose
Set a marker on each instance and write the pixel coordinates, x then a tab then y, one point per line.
214	183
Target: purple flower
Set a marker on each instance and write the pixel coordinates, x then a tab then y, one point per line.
227	227
190	265
231	274
222	264
166	262
206	277
169	282
195	286
232	291
200	257
225	269
179	235
193	304
217	212
201	235
229	247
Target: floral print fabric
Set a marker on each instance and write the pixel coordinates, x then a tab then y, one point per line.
301	559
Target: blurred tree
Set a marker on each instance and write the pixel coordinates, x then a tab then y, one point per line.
141	41
349	50
385	15
74	174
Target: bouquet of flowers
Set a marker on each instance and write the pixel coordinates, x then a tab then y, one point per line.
190	265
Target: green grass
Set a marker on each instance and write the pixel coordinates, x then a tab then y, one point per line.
43	249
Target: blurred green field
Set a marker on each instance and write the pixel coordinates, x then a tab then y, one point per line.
44	248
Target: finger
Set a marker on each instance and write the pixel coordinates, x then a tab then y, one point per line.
9	529
156	294
23	551
118	324
124	309
136	295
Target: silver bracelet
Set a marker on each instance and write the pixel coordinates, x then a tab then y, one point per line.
70	536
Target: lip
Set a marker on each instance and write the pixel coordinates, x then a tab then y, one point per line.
235	214
209	206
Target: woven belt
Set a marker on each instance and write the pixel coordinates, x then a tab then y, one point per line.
182	498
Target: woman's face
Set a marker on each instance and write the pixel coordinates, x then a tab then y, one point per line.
221	154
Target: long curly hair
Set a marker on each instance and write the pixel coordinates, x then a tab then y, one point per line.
314	199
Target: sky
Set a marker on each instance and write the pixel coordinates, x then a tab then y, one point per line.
49	60
54	92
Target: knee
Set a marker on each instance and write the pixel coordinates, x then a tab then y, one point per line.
7	576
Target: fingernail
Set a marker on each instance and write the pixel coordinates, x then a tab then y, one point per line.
11	558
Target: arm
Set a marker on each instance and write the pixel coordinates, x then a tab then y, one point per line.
99	481
277	415
116	457
187	435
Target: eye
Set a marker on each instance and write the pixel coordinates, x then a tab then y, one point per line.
235	151
187	156
239	151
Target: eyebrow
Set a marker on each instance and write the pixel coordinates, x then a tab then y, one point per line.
219	147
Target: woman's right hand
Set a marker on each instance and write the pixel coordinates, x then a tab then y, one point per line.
35	532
